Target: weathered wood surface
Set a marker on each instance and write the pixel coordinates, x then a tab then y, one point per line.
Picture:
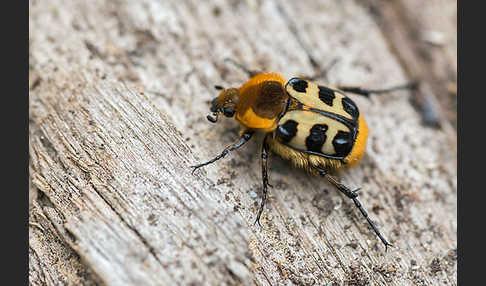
423	36
119	91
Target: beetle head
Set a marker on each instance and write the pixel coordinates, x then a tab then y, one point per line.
225	103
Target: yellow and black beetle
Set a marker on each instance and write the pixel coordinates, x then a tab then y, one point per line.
317	128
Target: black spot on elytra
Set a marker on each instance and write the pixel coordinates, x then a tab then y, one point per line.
298	84
326	95
343	143
316	138
350	107
287	131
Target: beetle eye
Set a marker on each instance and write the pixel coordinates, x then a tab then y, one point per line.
214	107
228	111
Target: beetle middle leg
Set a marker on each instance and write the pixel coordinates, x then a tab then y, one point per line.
251	73
265	159
354	196
367	92
323	72
244	137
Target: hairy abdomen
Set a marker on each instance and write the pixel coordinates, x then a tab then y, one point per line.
302	159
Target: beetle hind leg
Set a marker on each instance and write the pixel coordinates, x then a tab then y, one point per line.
354	196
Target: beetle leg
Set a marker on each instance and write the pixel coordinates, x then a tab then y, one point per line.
251	73
265	159
354	196
367	92
323	72
244	137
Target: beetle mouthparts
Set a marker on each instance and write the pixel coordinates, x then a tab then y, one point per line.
211	118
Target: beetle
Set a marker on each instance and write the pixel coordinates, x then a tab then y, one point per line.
316	127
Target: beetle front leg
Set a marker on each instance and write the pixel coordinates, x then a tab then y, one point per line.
354	196
244	137
265	159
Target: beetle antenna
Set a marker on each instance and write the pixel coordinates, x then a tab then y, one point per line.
218	87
